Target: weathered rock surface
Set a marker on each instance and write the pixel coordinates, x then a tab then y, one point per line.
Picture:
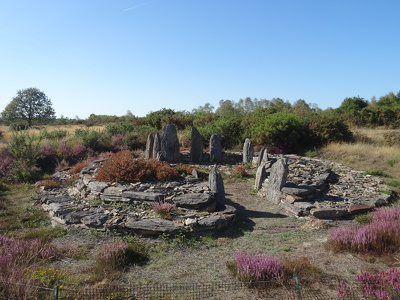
93	204
215	148
325	189
170	144
196	148
248	151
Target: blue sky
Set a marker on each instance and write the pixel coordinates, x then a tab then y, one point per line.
111	56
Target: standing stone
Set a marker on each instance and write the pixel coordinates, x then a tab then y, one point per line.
276	180
149	147
216	185
170	144
196	148
261	174
262	157
156	145
248	151
215	148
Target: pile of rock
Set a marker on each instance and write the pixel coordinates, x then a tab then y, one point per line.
127	207
320	188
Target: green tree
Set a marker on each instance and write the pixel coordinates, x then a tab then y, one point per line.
30	104
353	105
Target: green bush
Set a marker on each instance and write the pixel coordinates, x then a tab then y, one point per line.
19	126
122	128
276	129
25	148
54	135
98	141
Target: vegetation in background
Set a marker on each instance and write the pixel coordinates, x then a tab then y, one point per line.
29	105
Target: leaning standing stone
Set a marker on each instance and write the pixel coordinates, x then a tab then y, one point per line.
196	148
156	145
170	144
276	180
262	157
261	174
216	185
248	151
215	148
149	147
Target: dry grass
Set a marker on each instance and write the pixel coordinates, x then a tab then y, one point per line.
366	155
70	129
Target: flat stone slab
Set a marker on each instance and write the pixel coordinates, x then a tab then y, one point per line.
153	226
194	200
95	220
214	222
329	213
142	196
97	186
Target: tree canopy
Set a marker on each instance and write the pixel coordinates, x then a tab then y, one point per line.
30	104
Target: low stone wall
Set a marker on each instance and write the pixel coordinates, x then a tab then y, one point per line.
324	189
127	207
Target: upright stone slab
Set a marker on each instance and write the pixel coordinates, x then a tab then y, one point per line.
261	174
276	180
262	157
149	147
215	148
248	151
170	144
216	185
196	148
156	145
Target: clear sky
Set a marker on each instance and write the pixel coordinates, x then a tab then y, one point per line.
111	56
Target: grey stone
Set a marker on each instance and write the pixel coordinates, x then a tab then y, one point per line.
260	177
248	151
196	148
97	186
329	213
170	144
215	148
216	185
142	196
156	145
76	217
153	226
214	222
194	200
299	191
276	180
148	153
95	220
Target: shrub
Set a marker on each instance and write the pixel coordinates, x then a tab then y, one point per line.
47	277
163	208
120	128
77	168
379	236
248	267
25	149
239	171
120	255
5	163
382	285
184	169
123	167
18	254
55	135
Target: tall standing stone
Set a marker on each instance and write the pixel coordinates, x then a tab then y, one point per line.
276	180
156	145
149	147
170	144
216	185
262	157
248	151
196	148
215	148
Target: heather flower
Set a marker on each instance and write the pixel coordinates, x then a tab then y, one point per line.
258	268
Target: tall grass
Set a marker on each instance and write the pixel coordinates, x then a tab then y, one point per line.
363	156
